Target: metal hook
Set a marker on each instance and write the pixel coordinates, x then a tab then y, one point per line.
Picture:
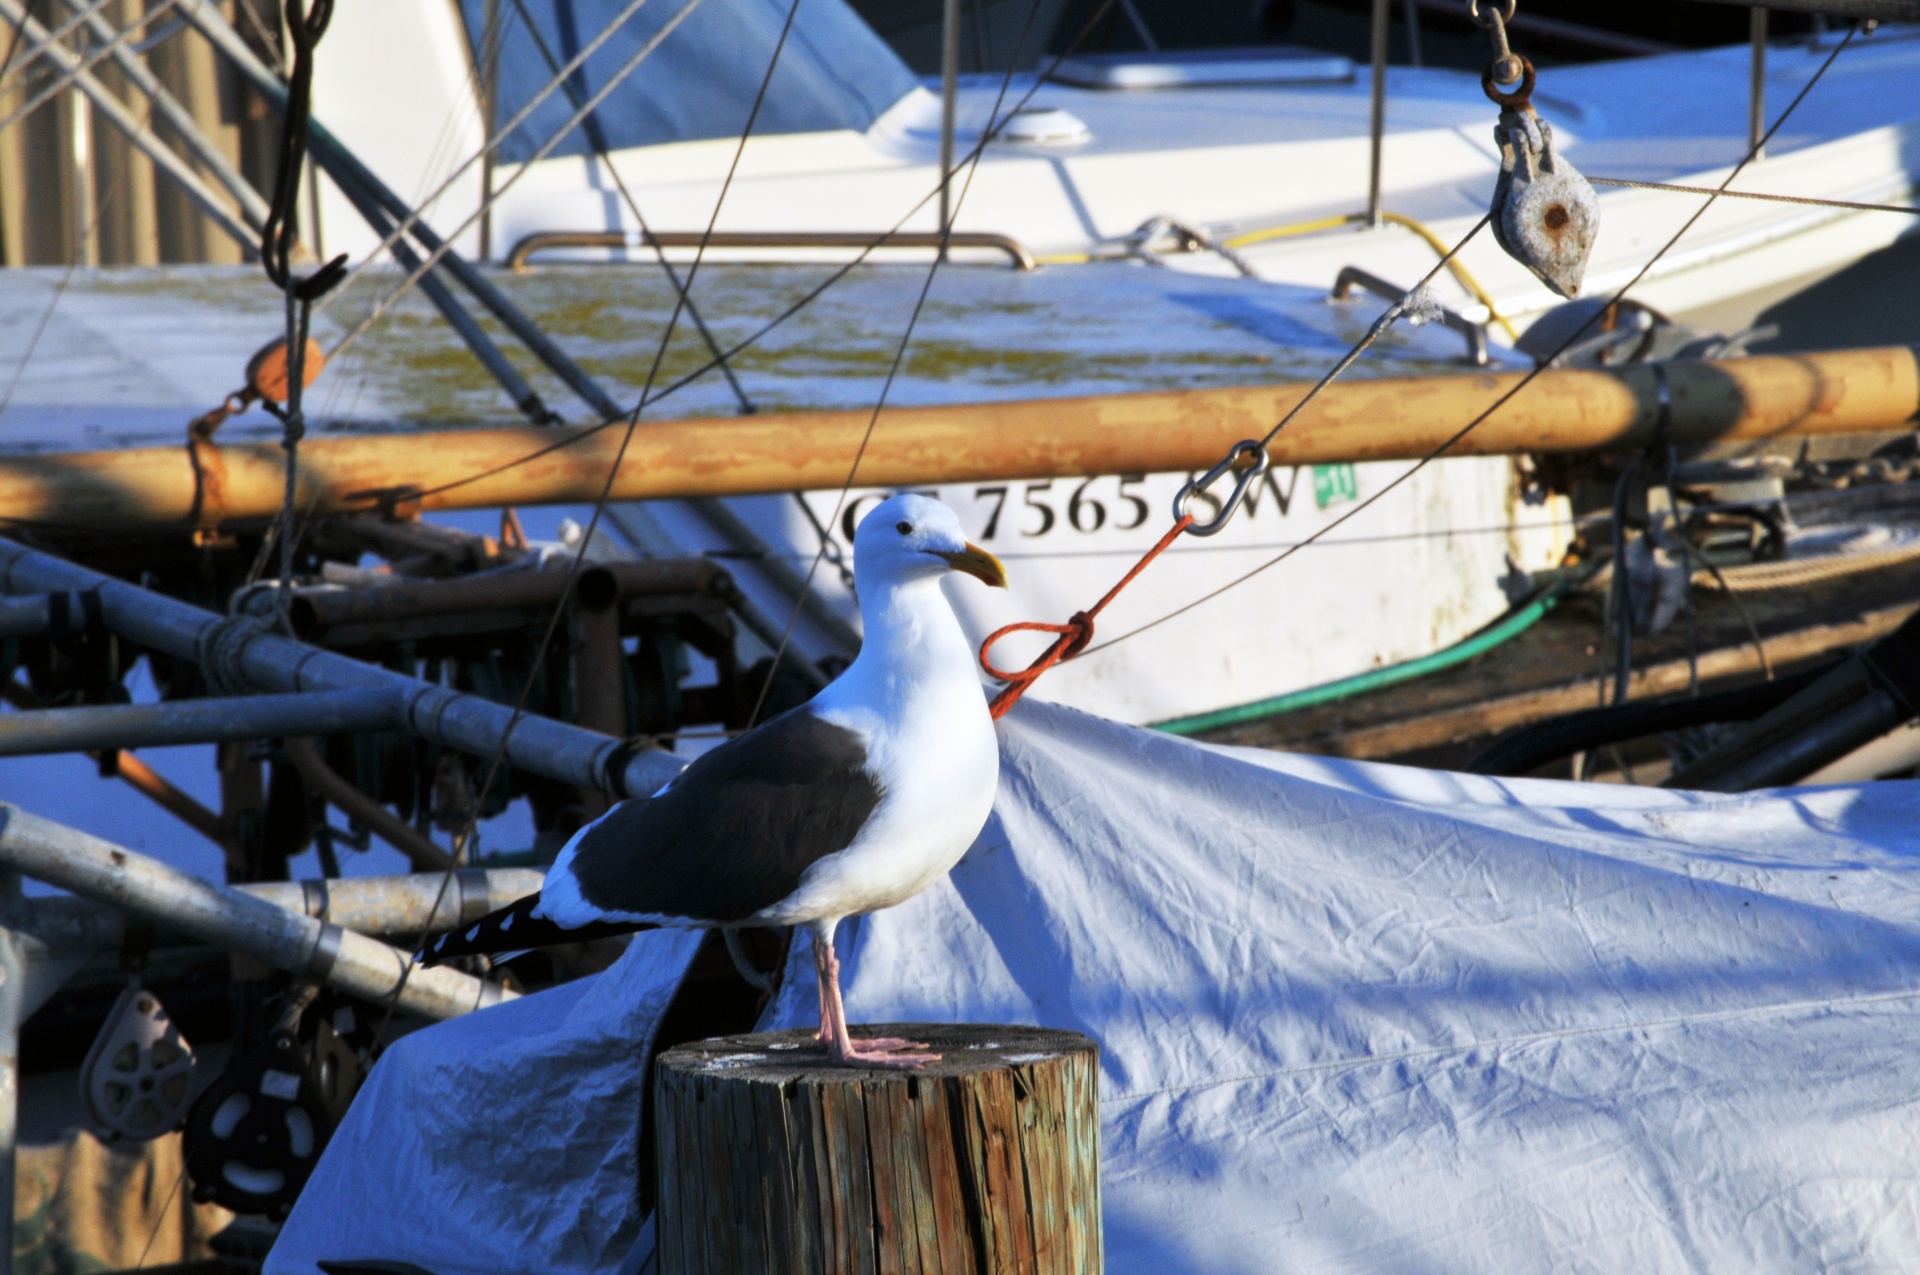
1245	447
1505	67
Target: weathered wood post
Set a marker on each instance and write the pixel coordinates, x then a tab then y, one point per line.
770	1160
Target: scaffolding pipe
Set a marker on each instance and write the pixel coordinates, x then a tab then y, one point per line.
301	945
213	720
320	609
421	850
24	617
404	906
238	649
135	132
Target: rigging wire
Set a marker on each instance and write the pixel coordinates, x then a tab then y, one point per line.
92	58
807	298
1518	386
596	138
995	122
1808	200
487	205
59	289
464	836
492	141
61	32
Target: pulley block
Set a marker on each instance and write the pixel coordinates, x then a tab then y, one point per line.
253	1137
136	1078
1544	212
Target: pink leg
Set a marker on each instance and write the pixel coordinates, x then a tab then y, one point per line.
824	976
877	1052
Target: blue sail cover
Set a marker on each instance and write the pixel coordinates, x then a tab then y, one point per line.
834	72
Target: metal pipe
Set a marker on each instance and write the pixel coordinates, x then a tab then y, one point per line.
1412	13
143	779
1563	410
179	118
420	849
301	945
1377	127
379	907
239	650
214	719
24	617
407	905
320	609
1757	84
136	132
949	105
729	240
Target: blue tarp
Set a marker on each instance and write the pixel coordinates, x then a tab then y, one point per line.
1351	1017
834	72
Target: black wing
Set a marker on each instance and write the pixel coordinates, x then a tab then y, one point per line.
514	928
737	828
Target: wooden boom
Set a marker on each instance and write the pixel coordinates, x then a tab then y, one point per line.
1839	392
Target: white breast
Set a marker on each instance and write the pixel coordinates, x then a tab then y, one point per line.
930	743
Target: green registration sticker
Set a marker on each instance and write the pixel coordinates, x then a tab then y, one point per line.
1334	484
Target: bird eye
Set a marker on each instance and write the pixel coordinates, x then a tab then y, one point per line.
904	528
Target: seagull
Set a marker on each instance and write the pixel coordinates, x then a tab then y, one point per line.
853	802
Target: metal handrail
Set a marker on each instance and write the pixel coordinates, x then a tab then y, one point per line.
855	239
1351	277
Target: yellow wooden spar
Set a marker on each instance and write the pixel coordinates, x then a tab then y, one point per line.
203	485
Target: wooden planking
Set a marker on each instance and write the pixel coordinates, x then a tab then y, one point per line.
987	1161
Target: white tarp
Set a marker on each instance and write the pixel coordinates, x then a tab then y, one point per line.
1351	1017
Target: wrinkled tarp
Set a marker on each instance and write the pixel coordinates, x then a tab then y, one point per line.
834	72
1351	1017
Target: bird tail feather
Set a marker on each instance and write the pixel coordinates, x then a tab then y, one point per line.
514	928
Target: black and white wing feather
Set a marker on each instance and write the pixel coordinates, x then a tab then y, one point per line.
730	837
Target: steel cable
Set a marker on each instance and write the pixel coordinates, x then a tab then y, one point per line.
1518	386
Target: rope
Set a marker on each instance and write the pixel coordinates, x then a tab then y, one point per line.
1073	635
218	649
279	238
1754	194
1077	632
1758	576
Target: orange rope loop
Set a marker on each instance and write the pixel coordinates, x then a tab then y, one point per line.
1073	636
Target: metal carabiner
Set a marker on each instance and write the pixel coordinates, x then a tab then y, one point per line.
1248	476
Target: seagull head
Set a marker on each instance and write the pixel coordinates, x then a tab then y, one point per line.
912	537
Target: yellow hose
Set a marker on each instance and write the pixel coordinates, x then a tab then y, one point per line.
1433	241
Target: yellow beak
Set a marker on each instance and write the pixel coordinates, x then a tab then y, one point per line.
979	564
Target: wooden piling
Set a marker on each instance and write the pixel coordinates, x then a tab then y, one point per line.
772	1160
